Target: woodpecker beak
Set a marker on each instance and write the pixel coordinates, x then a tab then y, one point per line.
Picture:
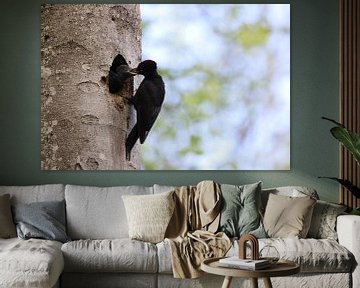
134	71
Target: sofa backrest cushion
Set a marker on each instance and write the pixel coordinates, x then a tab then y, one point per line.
36	193
98	212
163	188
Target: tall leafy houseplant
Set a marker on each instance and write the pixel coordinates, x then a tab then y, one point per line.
351	141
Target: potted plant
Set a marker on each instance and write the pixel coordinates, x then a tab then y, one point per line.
351	141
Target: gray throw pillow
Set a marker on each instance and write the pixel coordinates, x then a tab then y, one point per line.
240	213
323	222
44	220
7	227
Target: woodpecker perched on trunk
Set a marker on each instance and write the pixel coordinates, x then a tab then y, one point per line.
147	102
119	72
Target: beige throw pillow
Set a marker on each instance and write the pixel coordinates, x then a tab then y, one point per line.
288	217
148	215
7	226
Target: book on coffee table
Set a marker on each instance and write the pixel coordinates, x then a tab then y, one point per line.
236	262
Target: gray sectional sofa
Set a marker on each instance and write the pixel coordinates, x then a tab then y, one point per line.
100	253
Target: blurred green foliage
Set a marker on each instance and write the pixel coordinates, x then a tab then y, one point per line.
249	36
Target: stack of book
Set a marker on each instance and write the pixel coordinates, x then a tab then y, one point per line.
248	264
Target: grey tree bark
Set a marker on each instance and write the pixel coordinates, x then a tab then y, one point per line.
83	126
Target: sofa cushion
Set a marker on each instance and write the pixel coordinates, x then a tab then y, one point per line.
7	227
164	257
149	215
98	213
313	255
116	255
30	263
43	220
240	210
323	222
287	216
35	193
163	188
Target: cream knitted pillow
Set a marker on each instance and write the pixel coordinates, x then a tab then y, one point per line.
149	215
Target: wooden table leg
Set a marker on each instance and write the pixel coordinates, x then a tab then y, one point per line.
227	282
267	283
254	282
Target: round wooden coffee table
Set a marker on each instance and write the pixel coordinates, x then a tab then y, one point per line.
281	268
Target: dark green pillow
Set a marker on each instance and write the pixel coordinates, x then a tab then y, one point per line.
240	210
43	220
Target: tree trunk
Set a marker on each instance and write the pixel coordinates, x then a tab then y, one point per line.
83	126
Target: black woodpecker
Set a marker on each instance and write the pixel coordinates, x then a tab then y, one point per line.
119	72
147	102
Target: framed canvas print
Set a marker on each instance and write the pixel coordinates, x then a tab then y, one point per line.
165	86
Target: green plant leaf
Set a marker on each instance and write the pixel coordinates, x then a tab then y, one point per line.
347	184
355	211
333	121
348	138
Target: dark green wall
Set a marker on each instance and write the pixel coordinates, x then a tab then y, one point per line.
314	93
